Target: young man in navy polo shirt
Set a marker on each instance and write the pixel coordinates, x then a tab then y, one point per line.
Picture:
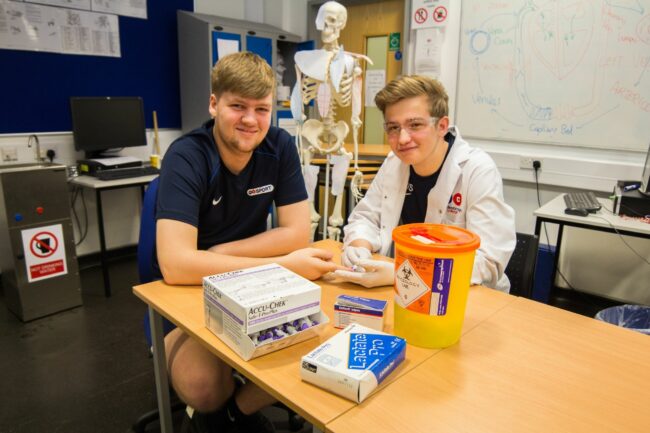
217	185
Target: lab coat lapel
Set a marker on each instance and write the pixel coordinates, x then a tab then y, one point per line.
395	186
450	174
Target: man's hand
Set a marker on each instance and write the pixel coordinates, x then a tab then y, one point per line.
311	263
377	273
352	255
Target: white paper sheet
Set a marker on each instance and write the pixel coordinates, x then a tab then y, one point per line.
129	8
428	51
226	46
74	4
89	33
26	26
375	81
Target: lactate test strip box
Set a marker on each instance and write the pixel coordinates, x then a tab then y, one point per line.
353	362
240	303
364	311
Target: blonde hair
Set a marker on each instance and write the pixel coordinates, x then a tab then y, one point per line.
245	74
412	86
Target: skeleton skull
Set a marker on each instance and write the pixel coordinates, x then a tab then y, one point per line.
331	19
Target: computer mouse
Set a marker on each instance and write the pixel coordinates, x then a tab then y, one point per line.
577	212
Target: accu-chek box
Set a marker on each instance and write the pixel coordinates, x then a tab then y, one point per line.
364	311
240	303
353	362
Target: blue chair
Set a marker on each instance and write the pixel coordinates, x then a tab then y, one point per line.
147	248
146	272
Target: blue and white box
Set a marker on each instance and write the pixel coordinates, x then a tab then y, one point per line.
240	303
355	309
353	362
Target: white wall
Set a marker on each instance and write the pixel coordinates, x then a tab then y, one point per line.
601	262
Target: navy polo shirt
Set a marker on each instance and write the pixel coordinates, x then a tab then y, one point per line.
197	188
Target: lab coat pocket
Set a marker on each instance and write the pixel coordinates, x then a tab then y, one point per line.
454	216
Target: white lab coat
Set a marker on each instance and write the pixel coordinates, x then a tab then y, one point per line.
467	171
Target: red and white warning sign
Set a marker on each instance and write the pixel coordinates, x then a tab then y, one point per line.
44	250
440	14
429	13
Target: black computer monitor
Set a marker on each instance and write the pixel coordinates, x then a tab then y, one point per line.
103	123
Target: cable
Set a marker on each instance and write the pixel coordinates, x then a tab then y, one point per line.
621	236
548	242
84	233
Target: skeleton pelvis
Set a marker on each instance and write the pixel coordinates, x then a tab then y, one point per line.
324	139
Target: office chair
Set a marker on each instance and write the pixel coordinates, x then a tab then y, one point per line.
521	267
146	249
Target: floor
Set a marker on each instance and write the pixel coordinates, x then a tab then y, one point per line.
86	369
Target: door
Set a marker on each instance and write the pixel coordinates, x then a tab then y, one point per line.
367	32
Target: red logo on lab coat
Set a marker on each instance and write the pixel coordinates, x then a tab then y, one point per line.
458	199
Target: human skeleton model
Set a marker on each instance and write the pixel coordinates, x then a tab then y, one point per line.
332	77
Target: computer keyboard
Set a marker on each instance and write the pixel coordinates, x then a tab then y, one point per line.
582	201
125	173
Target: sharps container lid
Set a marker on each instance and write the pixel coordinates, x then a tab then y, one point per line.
436	237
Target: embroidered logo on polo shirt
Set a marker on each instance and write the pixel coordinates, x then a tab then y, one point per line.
260	190
216	202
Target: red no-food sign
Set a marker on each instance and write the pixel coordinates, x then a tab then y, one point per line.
440	14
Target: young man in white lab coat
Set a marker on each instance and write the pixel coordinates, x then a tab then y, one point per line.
432	175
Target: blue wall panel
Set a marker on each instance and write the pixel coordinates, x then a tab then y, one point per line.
37	86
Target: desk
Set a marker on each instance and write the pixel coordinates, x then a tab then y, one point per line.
103	185
528	368
603	220
279	372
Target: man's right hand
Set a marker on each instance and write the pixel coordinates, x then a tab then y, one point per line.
311	263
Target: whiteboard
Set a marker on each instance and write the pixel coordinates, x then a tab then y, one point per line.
567	72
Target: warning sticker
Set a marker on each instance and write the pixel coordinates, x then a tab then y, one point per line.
412	292
422	283
44	250
440	286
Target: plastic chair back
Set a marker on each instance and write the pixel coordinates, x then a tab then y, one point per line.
521	267
147	239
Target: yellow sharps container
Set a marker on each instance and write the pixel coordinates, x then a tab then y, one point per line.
433	267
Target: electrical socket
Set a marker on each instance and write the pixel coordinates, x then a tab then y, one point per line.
9	154
526	162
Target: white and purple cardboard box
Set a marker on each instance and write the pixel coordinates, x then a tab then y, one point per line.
353	362
364	311
240	303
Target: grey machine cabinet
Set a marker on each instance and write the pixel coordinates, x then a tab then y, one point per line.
198	36
34	196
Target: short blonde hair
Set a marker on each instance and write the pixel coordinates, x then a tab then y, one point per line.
245	74
412	86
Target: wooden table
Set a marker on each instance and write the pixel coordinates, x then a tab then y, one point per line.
279	372
528	368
